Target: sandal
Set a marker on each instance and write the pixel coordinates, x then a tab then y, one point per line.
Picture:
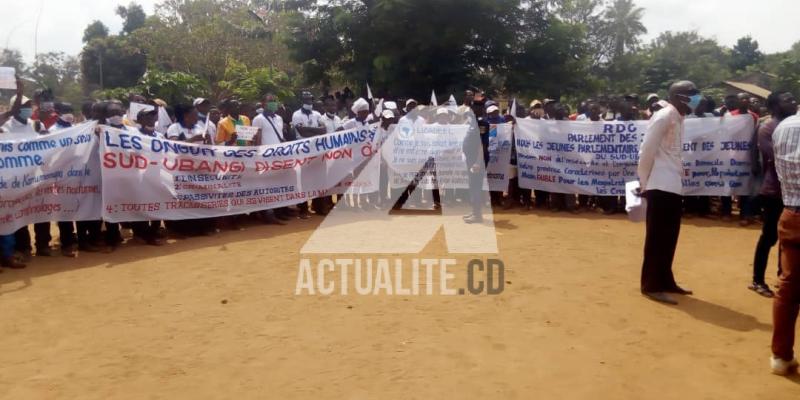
762	289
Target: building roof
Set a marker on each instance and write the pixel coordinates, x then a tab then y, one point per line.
749	88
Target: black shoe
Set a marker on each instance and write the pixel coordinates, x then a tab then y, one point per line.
11	263
272	220
661	297
679	290
43	252
474	219
68	251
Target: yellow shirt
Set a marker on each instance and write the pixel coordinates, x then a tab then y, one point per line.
227	127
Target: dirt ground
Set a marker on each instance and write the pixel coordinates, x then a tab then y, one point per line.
217	317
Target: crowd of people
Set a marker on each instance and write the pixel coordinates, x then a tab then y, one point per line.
776	200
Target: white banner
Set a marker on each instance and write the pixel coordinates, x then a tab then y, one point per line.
411	147
147	178
497	170
597	158
54	177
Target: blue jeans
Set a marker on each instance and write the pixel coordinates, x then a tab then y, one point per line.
7	245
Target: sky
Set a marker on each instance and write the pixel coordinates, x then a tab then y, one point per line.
773	23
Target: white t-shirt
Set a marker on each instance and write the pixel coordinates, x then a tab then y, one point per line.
16	127
331	124
354	123
271	128
310	120
175	130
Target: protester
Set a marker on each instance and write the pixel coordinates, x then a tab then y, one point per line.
476	154
786	144
306	123
780	106
226	128
273	132
660	173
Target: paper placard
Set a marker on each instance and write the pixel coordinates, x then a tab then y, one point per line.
635	205
244	132
8	78
135	108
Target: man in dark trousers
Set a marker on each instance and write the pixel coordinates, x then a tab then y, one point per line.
660	176
476	152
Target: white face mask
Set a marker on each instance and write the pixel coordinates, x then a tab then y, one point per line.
308	107
68	118
115	120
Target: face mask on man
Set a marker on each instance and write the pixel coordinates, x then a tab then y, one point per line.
115	120
68	118
694	101
25	113
308	107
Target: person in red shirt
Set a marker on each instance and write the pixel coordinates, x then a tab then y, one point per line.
744	107
44	109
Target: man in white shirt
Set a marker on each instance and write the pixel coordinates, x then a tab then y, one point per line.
20	122
306	123
661	180
363	117
330	120
270	123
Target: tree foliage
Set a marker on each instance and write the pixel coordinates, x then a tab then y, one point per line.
745	53
133	17
203	37
95	30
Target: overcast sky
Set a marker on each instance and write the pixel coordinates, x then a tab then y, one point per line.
773	23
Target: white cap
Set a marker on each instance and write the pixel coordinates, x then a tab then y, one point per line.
409	101
360	105
492	109
23	101
388	114
442	111
199	101
390	105
652	96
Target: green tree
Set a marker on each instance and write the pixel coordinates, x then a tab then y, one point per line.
684	55
251	84
95	30
111	62
172	87
133	17
203	37
407	47
60	73
745	53
625	26
12	58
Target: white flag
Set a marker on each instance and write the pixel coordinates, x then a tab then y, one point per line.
369	92
513	111
164	121
433	99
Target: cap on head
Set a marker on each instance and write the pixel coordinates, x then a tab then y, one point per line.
199	101
360	105
23	101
